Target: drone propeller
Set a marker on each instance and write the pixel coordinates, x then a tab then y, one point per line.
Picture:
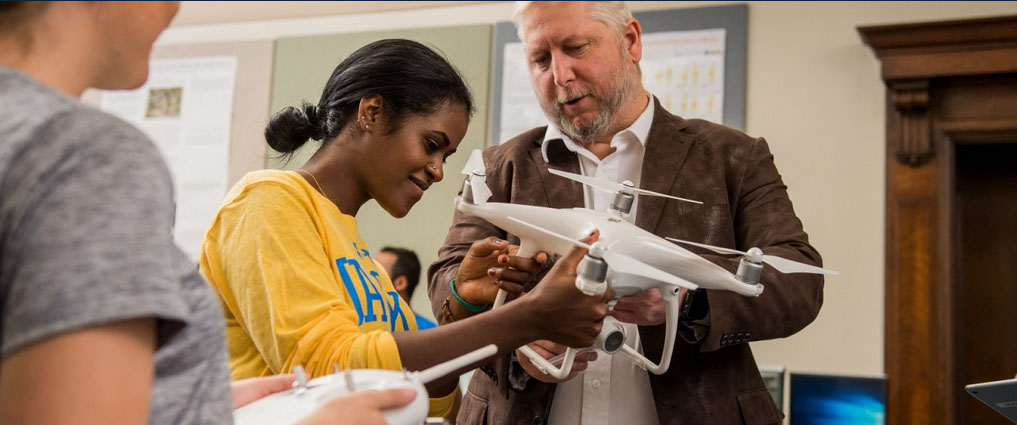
619	262
782	265
610	186
477	174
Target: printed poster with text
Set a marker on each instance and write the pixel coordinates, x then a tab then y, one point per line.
186	108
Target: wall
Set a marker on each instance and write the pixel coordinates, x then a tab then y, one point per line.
813	91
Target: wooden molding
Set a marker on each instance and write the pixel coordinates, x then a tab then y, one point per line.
947	83
937	49
910	121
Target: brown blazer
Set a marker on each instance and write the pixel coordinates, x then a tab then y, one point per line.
713	378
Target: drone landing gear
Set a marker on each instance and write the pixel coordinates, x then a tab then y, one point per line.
592	280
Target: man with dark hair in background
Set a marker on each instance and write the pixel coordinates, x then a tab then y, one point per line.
403	268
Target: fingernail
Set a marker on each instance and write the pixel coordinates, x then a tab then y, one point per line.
492	271
503	259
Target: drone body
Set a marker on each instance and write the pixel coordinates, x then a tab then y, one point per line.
619	236
636	259
289	407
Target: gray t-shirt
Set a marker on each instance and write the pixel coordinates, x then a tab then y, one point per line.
86	221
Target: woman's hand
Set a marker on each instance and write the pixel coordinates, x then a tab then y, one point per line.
246	391
363	408
561	312
491	264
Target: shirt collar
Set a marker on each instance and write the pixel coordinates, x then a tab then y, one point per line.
640	128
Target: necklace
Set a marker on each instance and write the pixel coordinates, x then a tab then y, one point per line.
316	184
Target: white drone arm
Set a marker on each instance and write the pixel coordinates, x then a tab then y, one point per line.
442	369
545	366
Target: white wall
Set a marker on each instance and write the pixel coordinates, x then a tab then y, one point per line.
813	91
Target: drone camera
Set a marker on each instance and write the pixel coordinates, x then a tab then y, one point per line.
611	337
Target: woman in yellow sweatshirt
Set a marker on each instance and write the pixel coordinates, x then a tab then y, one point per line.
297	283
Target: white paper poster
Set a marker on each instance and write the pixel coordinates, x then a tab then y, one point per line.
684	69
186	108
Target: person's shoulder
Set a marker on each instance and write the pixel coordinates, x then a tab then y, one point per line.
516	148
271	177
44	119
100	128
266	185
709	131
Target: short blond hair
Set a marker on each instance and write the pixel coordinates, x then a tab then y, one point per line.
615	14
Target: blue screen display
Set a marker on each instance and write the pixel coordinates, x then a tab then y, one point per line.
837	400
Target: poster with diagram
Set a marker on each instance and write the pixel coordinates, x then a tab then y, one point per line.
186	108
685	70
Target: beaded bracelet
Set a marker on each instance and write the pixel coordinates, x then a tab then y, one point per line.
473	308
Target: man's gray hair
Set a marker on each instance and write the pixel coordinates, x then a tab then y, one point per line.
615	14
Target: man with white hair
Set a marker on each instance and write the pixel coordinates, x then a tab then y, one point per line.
583	60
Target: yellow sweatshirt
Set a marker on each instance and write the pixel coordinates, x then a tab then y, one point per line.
298	285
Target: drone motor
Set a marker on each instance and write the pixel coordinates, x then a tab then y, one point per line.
592	272
750	267
621	203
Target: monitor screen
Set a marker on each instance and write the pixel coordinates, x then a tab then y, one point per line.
837	400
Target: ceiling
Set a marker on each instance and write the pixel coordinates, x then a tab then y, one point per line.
217	12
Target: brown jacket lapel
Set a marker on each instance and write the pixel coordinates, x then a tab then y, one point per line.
560	192
667	146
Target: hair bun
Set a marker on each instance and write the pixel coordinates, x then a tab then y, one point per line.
290	128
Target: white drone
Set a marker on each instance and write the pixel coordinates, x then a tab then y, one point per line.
612	258
290	407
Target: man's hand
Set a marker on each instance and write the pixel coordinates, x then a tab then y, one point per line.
644	308
492	264
548	349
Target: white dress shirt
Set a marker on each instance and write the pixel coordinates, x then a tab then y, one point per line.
612	390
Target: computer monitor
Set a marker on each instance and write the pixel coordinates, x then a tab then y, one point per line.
837	400
773	378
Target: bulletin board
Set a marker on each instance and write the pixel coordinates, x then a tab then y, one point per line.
302	67
246	146
510	99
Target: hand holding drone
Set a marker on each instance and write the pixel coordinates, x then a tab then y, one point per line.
612	260
289	407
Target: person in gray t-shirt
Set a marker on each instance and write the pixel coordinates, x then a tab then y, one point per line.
102	318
